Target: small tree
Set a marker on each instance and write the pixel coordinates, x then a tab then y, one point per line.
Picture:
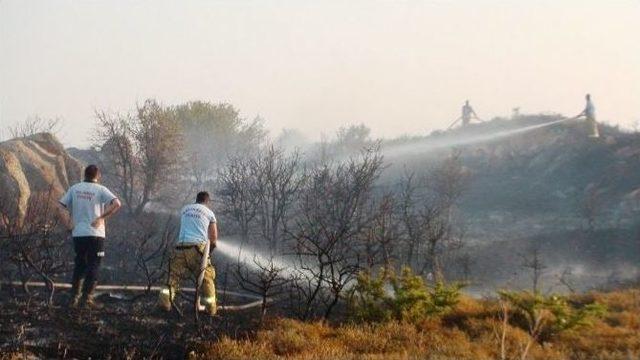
152	246
533	261
414	300
428	215
447	182
546	316
266	281
328	229
353	139
369	300
35	245
278	180
381	235
405	297
33	125
213	133
237	194
258	192
142	153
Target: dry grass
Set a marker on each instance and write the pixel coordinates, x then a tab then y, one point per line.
471	331
617	336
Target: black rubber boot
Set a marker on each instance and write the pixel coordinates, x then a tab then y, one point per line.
76	287
88	297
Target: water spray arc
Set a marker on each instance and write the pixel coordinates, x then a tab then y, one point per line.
436	144
252	257
257	261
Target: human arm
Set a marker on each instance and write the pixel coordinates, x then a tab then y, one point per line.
66	202
213	234
111	209
65	218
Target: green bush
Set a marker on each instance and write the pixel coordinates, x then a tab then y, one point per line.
370	301
405	297
546	316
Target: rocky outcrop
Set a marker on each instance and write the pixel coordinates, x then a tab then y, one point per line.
32	166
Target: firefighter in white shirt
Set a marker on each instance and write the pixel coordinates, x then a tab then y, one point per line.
467	114
197	228
589	113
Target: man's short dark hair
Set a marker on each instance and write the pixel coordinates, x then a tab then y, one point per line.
202	197
91	172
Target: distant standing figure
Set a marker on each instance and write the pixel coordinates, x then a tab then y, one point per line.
467	113
90	204
589	113
197	227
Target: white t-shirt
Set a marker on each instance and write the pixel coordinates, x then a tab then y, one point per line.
590	110
86	201
467	110
194	223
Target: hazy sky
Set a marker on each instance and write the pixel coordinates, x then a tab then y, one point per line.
398	66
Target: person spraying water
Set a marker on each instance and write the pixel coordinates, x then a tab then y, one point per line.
589	113
198	235
466	116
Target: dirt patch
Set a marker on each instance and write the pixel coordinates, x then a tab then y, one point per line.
120	329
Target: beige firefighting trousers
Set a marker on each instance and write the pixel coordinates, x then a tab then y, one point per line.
187	262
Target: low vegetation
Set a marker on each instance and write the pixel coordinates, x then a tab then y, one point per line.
403	298
574	328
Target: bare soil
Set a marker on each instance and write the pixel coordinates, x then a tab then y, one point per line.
122	328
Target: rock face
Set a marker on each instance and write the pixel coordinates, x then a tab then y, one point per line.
32	166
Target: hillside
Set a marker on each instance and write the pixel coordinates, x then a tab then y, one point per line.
550	188
536	170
